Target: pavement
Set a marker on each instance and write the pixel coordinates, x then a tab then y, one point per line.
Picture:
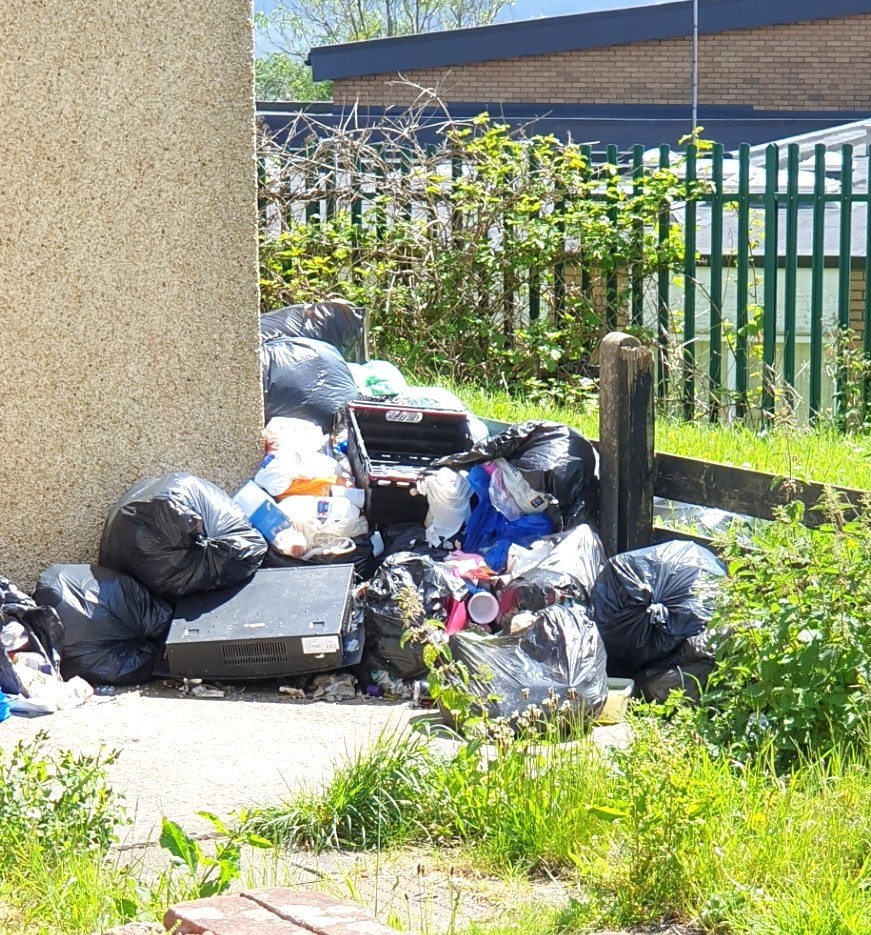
180	754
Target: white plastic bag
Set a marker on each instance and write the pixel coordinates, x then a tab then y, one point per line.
378	378
295	434
282	467
511	494
448	494
332	536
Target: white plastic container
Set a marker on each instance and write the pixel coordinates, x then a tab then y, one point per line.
482	607
304	509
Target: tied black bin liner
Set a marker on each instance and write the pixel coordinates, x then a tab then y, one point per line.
180	534
305	379
436	587
338	323
561	653
567	574
114	629
552	458
646	603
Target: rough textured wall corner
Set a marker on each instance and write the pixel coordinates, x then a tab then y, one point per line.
128	261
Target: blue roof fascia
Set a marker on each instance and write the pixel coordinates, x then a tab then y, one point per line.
565	33
623	125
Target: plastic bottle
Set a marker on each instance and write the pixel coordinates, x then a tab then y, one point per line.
306	509
265	516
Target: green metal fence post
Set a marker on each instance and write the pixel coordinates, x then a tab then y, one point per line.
559	270
356	187
791	264
845	262
769	310
636	273
534	272
663	283
817	270
586	276
312	204
743	279
612	157
716	315
689	272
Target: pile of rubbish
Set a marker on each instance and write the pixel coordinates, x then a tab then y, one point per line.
383	518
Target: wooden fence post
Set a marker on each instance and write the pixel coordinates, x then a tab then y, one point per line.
625	443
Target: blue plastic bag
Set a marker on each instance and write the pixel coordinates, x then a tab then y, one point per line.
490	534
4	708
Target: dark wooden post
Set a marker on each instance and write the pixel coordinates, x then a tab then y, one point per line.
625	443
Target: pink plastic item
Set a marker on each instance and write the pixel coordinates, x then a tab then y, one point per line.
458	618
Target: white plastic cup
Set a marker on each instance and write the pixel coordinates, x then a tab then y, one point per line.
482	607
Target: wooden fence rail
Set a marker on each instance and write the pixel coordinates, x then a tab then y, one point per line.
632	473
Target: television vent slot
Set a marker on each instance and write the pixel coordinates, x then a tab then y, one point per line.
254	652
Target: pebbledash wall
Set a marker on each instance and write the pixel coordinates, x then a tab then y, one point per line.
128	267
815	64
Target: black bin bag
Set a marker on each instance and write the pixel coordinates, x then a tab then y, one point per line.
338	323
305	379
43	631
557	664
647	602
362	558
114	629
686	669
553	459
436	588
180	534
567	574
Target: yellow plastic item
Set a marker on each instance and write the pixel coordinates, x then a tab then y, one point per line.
619	692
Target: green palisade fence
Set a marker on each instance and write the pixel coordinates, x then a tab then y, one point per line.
775	265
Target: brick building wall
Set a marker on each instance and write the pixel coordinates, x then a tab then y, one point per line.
819	64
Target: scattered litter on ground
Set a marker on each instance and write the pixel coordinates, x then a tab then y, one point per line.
292	692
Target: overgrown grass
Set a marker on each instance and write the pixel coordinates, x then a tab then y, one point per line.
58	872
662	831
822	454
57	822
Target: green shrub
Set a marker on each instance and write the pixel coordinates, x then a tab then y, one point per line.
794	676
452	239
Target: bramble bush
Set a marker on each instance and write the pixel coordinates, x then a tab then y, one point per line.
448	244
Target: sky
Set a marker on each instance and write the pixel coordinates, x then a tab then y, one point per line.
521	9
